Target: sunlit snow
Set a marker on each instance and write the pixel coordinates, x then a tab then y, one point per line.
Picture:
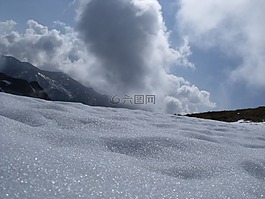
68	150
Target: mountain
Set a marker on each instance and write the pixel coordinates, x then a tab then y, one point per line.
67	150
250	114
21	87
58	86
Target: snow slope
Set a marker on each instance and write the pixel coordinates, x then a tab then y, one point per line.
67	150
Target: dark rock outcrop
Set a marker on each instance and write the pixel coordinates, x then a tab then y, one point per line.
21	87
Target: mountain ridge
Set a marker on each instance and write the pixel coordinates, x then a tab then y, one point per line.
58	86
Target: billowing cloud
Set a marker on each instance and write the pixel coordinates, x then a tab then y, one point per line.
7	26
128	38
48	49
119	47
131	43
236	27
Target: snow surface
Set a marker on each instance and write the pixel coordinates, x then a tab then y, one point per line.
69	150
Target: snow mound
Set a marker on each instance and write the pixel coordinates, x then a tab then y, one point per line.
68	150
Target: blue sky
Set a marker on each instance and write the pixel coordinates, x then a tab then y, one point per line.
44	12
225	50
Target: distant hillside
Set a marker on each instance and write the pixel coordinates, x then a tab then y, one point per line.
251	114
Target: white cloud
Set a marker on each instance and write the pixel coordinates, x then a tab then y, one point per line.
6	26
47	49
120	47
185	52
236	27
